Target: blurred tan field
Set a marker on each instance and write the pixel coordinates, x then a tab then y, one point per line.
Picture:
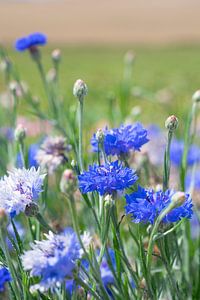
104	21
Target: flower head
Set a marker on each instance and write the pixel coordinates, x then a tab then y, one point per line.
52	153
20	188
121	140
31	41
107	178
4	277
53	259
145	205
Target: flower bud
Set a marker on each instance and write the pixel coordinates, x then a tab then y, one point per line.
178	199
100	135
196	96
171	123
51	75
14	87
31	210
80	89
20	133
5	65
68	182
129	57
3	218
56	55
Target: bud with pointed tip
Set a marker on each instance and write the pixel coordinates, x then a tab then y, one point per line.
178	199
196	96
68	181
56	55
80	89
20	133
171	123
32	210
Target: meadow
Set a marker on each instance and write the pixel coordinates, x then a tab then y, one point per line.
99	194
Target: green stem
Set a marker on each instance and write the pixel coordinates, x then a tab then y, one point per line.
80	128
42	221
16	283
166	172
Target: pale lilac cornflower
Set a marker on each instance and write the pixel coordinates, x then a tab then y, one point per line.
53	259
53	153
20	188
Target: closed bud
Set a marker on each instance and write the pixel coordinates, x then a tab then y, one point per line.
5	65
178	199
171	123
3	218
80	89
51	75
196	96
32	210
68	182
56	55
20	133
100	135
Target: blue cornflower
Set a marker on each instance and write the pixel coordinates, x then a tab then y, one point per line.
176	153
107	178
53	259
4	277
122	140
30	41
19	189
145	205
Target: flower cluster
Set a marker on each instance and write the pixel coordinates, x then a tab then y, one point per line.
4	277
19	189
52	259
32	40
122	140
52	153
145	205
107	178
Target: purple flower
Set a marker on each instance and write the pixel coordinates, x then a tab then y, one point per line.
30	41
122	140
145	205
4	277
19	189
107	178
52	259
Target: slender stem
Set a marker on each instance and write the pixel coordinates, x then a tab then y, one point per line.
42	221
10	264
166	172
80	128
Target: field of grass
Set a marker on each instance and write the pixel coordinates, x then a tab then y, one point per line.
156	68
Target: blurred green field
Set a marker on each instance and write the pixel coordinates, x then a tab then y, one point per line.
174	67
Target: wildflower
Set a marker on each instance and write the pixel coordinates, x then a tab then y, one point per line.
68	181
121	140
20	133
56	55
80	89
20	188
52	259
32	152
171	123
196	96
52	153
4	277
145	205
106	179
30	42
